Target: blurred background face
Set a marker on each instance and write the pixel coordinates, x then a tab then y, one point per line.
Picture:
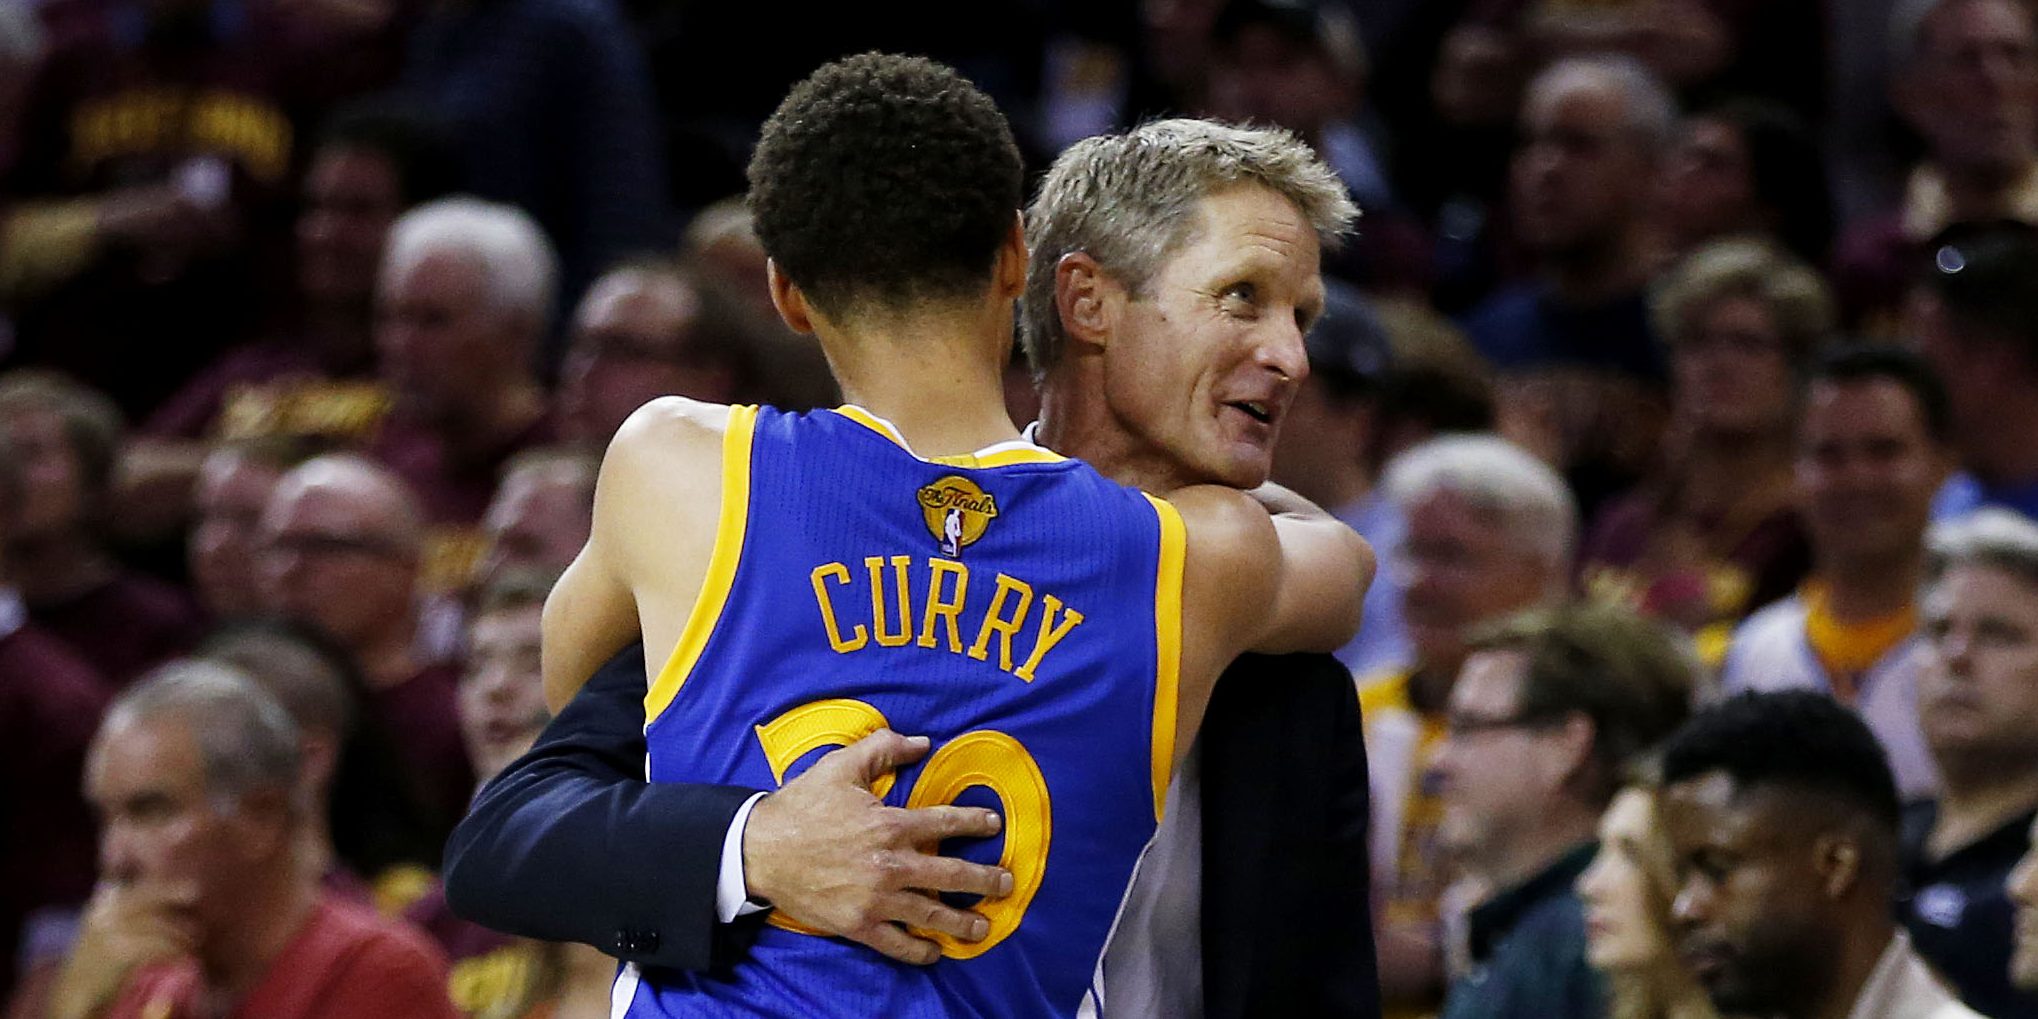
1707	188
351	198
53	479
1458	569
1625	928
1265	76
502	694
1491	764
1973	92
1978	691
632	343
1747	913
1580	174
331	560
437	334
539	518
1867	469
158	825
232	492
1730	372
2023	889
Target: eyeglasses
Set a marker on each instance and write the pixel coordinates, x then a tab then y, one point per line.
334	545
1458	726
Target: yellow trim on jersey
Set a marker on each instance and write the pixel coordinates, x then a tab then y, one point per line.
1167	618
721	576
1015	454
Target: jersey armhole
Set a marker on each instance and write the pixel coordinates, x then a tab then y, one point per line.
721	576
1167	619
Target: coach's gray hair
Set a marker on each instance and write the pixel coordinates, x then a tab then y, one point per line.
245	738
1995	537
519	266
1130	202
1498	477
1648	107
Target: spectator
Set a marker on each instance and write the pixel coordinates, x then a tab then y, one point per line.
1872	450
1783	817
1745	168
1626	893
1713	533
204	908
466	292
1328	454
645	330
1978	704
721	249
234	484
341	549
1301	66
50	702
1545	716
1581	373
502	710
136	222
2023	892
1978	324
1489	534
1967	82
67	437
365	834
550	107
314	375
541	512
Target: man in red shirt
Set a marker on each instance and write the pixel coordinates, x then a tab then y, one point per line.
204	908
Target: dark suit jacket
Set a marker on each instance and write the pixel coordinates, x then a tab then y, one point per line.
569	844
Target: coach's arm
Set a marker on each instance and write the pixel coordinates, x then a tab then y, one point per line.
570	843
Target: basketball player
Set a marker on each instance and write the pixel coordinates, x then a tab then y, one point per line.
1061	659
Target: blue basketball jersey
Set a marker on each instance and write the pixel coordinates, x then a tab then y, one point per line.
1014	606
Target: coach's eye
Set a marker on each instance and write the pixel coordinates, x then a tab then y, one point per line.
1241	298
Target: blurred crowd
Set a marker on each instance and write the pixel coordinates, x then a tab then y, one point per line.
1686	360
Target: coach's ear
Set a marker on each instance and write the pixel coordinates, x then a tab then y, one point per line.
786	297
1087	298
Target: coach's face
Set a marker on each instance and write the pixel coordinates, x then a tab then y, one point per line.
1207	356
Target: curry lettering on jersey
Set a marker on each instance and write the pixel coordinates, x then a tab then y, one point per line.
855	586
886	584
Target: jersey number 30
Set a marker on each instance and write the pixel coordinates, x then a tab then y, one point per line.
983	757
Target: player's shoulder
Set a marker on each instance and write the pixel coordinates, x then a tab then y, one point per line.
672	431
1223	522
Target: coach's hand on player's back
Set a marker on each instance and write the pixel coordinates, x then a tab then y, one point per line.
826	852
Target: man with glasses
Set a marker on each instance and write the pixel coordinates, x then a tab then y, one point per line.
1489	534
1544	719
645	330
342	543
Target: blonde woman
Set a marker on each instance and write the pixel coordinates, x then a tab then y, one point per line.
1627	892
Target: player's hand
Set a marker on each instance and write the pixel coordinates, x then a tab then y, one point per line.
826	852
126	927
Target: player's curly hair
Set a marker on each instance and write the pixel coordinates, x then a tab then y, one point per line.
882	179
1795	740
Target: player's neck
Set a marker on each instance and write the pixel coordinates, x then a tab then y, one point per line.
937	377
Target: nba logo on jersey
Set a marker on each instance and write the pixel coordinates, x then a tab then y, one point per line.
957	512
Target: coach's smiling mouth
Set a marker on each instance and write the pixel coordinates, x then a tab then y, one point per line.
1255	409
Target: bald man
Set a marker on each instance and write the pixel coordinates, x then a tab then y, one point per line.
341	546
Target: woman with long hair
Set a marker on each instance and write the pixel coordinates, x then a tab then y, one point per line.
1627	893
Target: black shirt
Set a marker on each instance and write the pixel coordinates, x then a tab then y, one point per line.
1960	917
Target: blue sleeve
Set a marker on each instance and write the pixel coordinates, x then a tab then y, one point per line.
570	843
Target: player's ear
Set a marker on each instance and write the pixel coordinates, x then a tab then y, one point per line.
1009	271
786	297
1087	299
1837	861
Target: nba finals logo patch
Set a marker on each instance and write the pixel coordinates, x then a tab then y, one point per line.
957	512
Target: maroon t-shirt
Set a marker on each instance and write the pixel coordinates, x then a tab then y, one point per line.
126	626
422	717
50	703
451	491
344	963
275	387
